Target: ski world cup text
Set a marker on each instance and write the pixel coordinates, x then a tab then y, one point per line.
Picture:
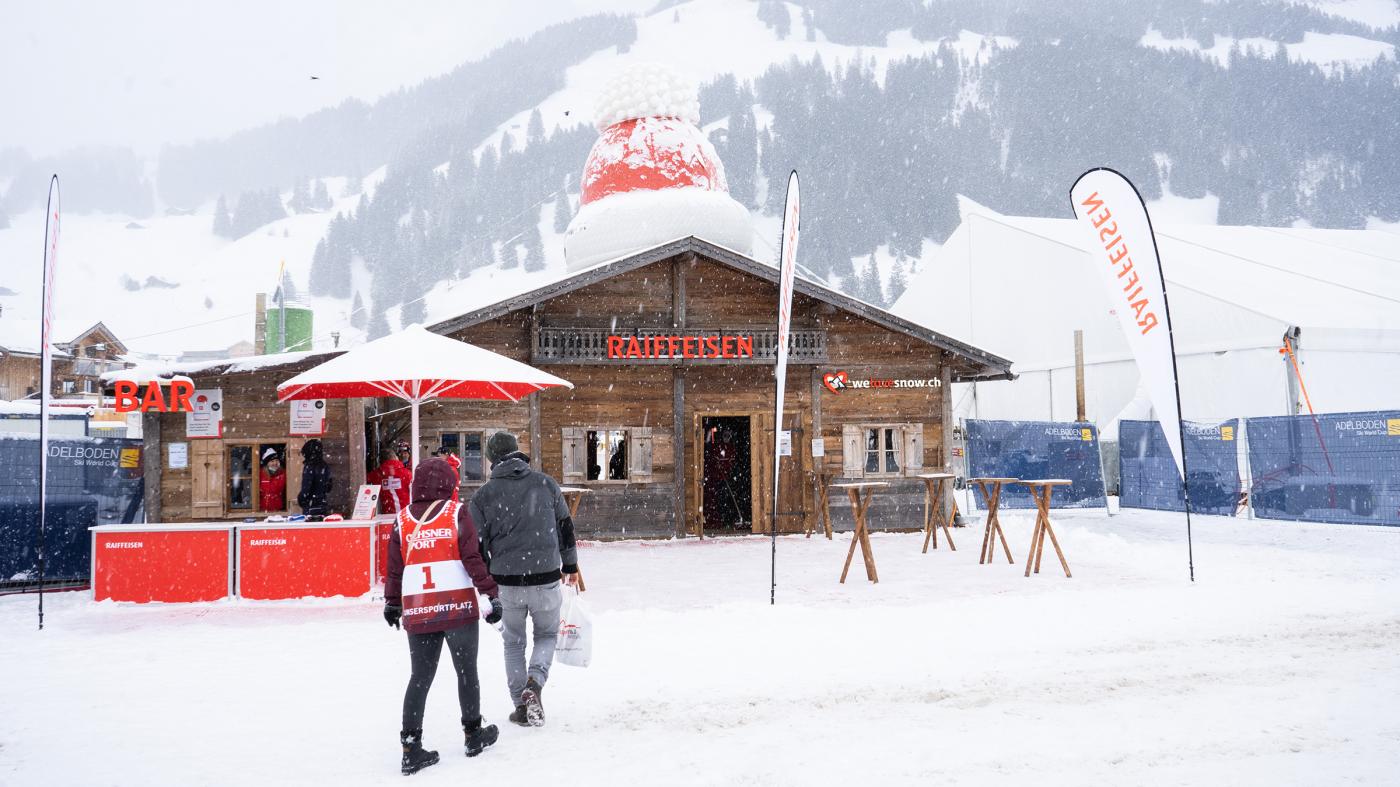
1118	257
127	400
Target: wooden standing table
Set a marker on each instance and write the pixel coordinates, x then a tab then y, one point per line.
859	505
934	484
573	495
823	507
1040	490
991	494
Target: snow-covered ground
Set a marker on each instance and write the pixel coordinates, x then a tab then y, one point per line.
1279	665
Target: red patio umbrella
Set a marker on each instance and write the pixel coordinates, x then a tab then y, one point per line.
419	366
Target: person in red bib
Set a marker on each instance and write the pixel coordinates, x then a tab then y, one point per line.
394	481
437	587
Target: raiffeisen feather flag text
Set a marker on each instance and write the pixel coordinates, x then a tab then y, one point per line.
787	270
1123	250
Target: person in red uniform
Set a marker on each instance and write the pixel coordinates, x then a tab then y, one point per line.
437	587
446	453
394	481
272	484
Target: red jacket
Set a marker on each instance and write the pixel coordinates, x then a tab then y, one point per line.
272	491
385	475
456	465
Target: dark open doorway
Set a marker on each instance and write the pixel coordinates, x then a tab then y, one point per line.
727	478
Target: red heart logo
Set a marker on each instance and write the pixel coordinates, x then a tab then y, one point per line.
834	381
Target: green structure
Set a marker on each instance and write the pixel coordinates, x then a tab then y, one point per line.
299	328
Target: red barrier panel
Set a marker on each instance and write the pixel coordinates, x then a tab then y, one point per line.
382	532
293	560
162	562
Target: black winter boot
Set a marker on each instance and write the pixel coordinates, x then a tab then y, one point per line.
532	698
415	758
479	736
518	716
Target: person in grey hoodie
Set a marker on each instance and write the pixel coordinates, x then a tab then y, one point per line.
527	539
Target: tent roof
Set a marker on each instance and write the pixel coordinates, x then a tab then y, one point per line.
1311	278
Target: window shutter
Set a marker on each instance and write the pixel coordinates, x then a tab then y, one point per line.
573	455
206	479
639	454
913	448
852	451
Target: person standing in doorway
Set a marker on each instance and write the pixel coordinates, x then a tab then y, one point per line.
316	481
437	586
527	538
394	481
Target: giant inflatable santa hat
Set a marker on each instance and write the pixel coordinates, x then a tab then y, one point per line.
652	176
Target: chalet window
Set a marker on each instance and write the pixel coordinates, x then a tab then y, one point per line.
470	447
87	386
882	450
68	386
607	454
243	470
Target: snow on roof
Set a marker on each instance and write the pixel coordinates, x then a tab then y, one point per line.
1311	278
148	370
21	334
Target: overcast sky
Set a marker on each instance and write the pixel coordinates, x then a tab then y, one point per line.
142	73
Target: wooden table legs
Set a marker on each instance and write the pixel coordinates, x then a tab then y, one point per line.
1042	527
573	500
992	497
823	509
933	518
861	537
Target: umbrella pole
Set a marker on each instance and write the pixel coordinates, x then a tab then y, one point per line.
414	402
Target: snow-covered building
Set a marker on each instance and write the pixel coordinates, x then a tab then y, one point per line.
1019	287
85	352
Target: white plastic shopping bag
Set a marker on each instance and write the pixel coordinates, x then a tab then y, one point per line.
575	646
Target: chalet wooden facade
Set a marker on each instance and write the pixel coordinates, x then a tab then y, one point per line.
671	354
670	421
78	365
197	478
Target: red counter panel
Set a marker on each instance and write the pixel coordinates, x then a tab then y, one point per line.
162	564
299	560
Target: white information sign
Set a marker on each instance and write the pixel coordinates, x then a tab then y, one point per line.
785	442
366	502
178	456
818	446
308	417
206	418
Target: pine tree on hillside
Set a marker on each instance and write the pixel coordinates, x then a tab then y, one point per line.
223	223
897	284
534	248
358	317
866	285
318	281
534	132
321	200
510	255
563	212
301	197
378	326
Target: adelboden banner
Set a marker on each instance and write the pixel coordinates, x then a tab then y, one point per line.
787	273
1124	255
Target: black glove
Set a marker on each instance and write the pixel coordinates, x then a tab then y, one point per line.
494	616
392	613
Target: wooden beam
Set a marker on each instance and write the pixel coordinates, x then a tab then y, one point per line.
536	431
678	445
151	465
945	415
1079	376
355	426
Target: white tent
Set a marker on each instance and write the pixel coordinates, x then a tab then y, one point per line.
1021	286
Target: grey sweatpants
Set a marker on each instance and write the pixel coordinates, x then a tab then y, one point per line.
541	603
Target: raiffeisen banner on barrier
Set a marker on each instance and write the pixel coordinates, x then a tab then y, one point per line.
1123	253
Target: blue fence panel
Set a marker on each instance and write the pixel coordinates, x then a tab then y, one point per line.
1036	450
1339	467
92	481
1148	477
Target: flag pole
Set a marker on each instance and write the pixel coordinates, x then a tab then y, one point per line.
787	271
51	211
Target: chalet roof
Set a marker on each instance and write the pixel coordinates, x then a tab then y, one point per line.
975	364
217	366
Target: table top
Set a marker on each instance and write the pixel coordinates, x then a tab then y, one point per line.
859	484
935	475
574	489
1047	482
264	525
976	480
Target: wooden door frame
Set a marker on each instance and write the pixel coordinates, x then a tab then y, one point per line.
698	483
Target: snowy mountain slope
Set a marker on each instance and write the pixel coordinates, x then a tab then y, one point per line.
200	294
